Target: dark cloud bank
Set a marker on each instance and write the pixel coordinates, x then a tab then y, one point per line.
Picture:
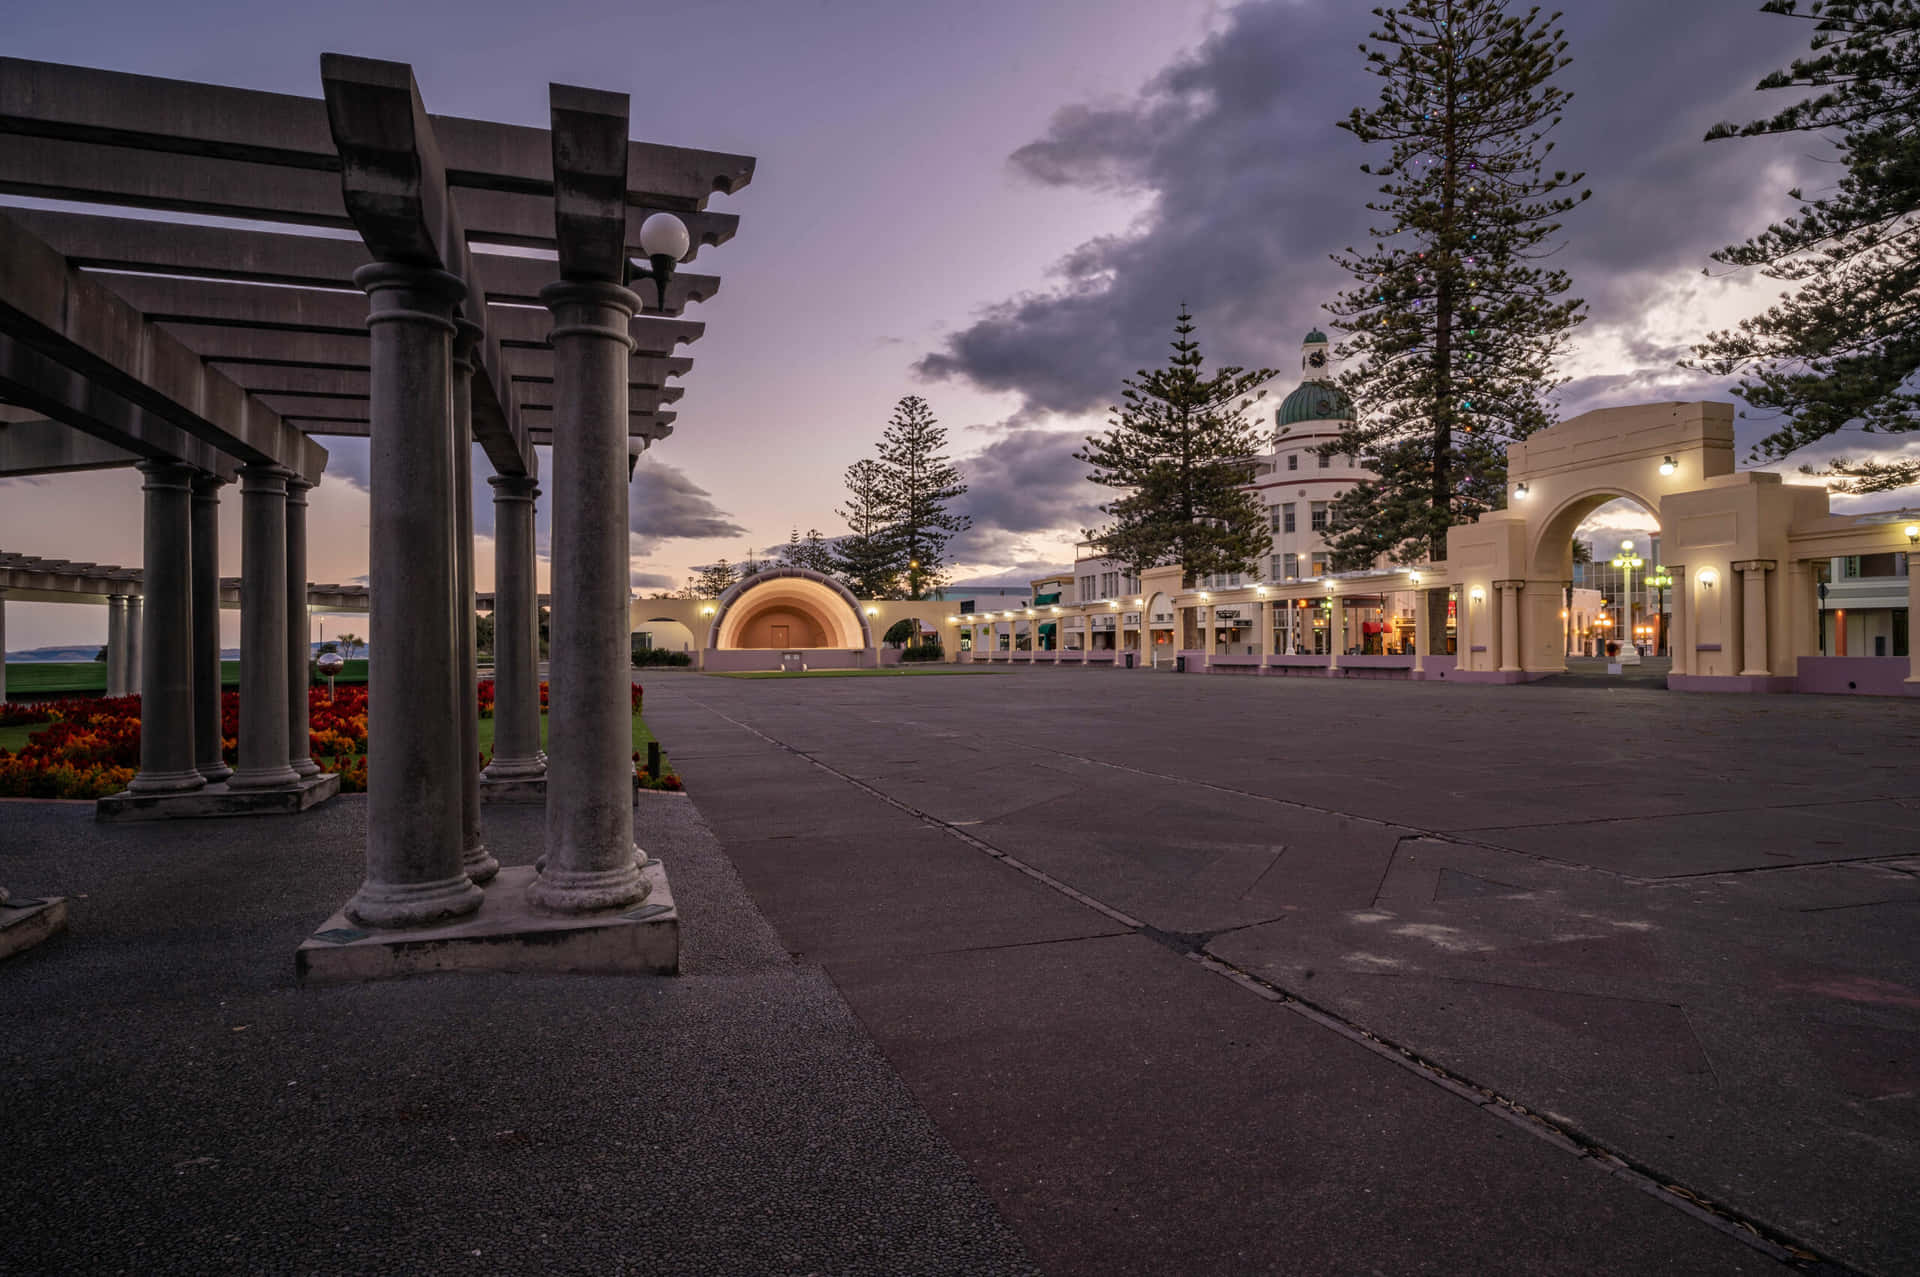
1249	186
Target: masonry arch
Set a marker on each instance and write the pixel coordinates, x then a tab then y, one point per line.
1550	554
789	608
667	633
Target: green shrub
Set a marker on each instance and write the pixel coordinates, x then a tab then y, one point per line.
923	653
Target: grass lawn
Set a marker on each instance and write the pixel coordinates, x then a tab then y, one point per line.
897	671
38	677
640	738
14	737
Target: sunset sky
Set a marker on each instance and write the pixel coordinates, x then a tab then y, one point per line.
997	205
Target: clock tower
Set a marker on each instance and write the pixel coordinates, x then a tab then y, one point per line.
1314	355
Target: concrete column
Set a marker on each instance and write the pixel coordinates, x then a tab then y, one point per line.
1509	625
1212	638
135	623
1421	628
516	633
166	695
480	864
299	653
414	874
1913	615
591	860
1336	631
1680	636
263	631
209	744
117	644
1753	628
3	645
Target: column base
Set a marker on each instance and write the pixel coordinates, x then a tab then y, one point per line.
531	768
410	906
504	935
305	767
217	800
264	778
166	782
25	923
573	891
216	773
479	864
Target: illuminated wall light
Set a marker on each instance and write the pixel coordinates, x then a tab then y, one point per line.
1668	465
1520	491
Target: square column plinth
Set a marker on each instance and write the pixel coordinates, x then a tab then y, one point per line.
218	800
505	934
25	922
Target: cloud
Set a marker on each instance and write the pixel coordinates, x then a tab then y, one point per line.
666	505
1247	187
650	580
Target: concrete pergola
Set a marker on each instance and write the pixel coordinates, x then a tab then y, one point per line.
26	578
450	282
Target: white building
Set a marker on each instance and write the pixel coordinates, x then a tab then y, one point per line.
1295	484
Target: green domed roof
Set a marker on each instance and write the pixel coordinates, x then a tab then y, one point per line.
1316	335
1315	401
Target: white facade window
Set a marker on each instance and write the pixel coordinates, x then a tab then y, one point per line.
1291	564
1109	584
1325	461
1317	518
1293	461
1273	518
1086	590
1287	517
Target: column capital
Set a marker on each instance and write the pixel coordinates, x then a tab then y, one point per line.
400	293
514	487
264	476
467	336
591	308
206	486
1753	565
164	473
1515	585
297	488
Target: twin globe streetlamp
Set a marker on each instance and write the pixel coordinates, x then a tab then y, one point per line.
1627	561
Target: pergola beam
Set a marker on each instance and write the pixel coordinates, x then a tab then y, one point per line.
112	107
97	242
70	319
45	446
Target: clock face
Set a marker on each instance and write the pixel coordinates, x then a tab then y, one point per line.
1318	359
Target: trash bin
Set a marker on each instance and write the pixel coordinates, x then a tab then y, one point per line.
1179	665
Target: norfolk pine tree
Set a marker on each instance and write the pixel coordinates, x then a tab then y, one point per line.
867	558
1452	331
1182	452
1845	346
919	483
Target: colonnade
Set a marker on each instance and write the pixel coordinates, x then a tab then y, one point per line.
165	642
426	858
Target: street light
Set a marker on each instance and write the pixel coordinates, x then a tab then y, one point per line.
1627	561
664	239
1658	578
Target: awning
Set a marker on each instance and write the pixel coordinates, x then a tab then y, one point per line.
1048	627
1041	600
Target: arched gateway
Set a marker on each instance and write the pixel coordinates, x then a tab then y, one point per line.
789	614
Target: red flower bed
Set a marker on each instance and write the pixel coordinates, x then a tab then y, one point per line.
91	746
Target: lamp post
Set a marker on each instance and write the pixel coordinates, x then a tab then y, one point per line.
1627	561
1658	578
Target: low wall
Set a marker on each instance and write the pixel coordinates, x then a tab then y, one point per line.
1854	675
727	660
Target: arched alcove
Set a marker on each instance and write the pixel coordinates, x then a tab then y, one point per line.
788	608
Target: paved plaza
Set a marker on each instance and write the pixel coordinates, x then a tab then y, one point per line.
1081	970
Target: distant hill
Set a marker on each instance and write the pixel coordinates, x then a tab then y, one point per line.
36	654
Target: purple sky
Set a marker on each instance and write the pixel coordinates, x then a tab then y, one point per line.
997	205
